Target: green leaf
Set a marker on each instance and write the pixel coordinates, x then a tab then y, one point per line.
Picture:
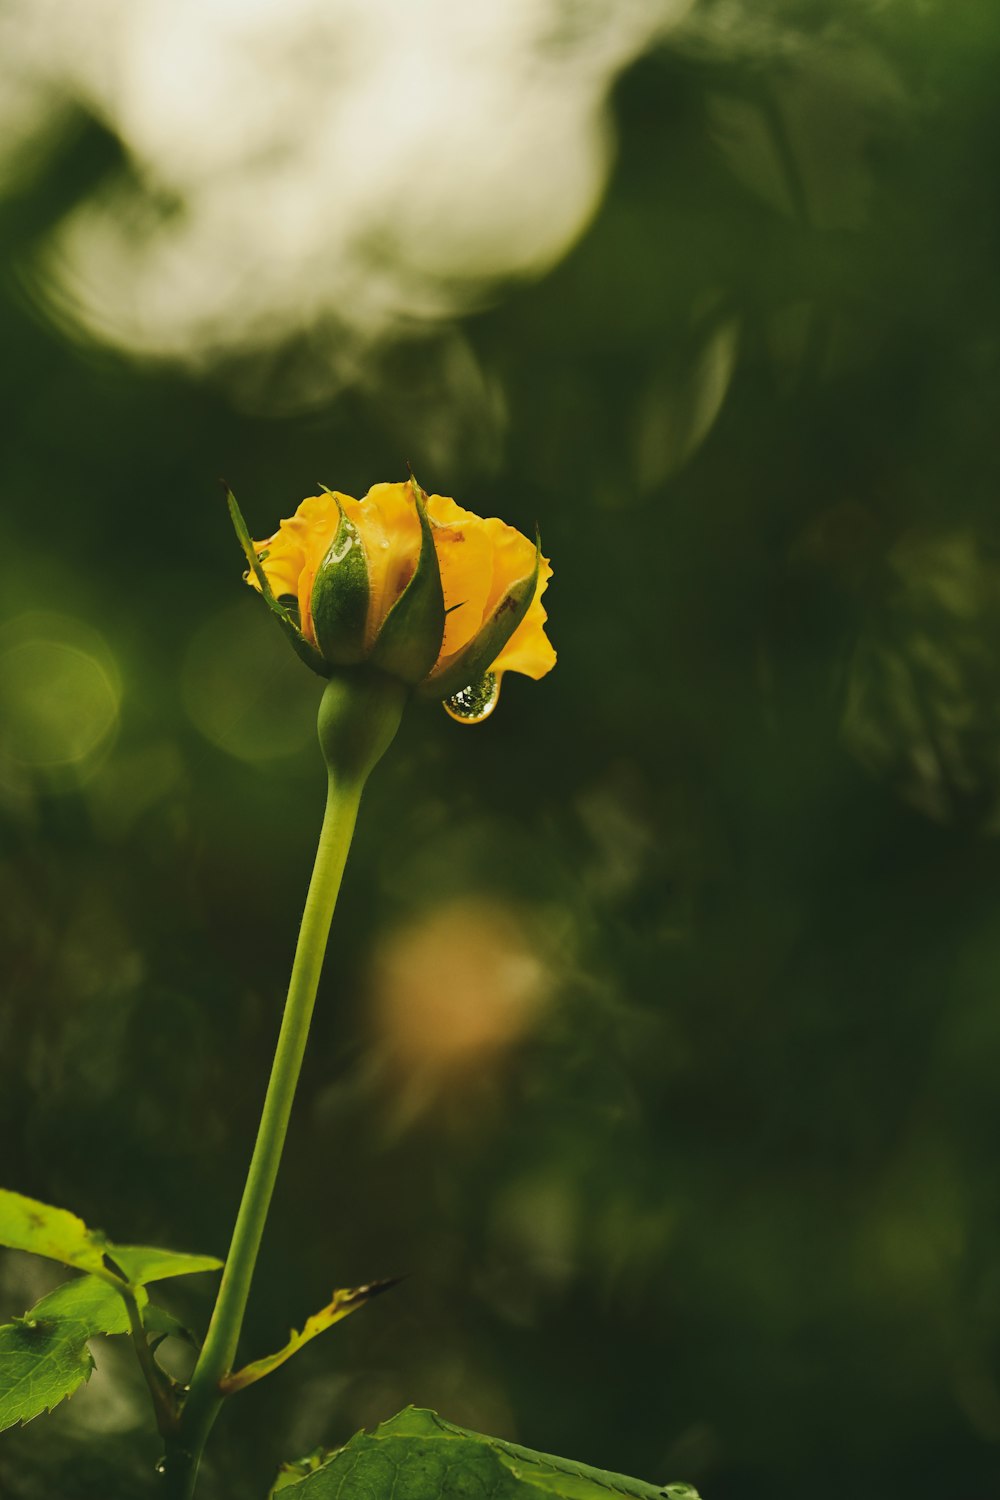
44	1356
144	1263
290	1474
475	659
26	1224
40	1365
417	1455
157	1321
340	596
92	1305
410	638
300	645
341	1305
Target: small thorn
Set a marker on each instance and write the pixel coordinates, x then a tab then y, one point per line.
376	1288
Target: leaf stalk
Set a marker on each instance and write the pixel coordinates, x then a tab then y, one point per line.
160	1388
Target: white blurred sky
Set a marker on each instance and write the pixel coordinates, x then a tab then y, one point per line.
337	164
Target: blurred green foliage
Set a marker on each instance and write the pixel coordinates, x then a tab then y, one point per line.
706	1186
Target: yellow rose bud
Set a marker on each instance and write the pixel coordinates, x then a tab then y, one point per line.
414	584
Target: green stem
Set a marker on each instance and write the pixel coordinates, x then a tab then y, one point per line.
358	719
164	1401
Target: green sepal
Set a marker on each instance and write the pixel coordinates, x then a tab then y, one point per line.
300	645
410	638
340	596
475	659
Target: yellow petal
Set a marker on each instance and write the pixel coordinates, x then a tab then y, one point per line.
443	510
296	550
513	559
390	532
529	650
479	561
465	557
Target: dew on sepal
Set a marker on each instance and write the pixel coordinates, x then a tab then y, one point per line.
474	703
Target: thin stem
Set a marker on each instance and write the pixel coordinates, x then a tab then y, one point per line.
164	1400
219	1351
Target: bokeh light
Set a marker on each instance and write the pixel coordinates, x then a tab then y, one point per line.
59	699
330	170
452	993
242	688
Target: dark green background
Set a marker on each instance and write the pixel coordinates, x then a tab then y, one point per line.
728	1210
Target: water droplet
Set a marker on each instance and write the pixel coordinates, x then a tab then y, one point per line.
160	1467
473	704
